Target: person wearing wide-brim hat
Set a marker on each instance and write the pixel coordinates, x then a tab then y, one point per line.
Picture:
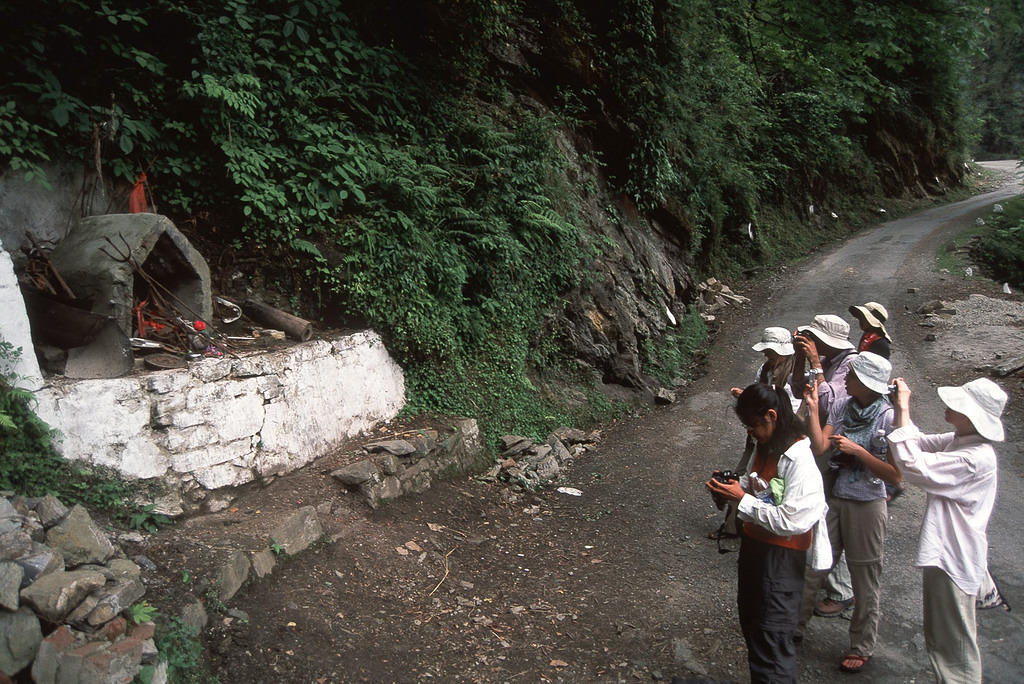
853	441
874	338
824	347
958	472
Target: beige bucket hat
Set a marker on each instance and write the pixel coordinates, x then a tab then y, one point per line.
982	401
830	329
778	340
874	314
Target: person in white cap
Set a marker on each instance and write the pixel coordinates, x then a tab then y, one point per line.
777	346
853	439
958	472
874	337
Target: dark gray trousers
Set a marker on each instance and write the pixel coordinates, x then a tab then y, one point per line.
770	589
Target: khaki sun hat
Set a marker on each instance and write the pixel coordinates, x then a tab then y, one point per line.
874	314
982	401
778	340
830	329
872	370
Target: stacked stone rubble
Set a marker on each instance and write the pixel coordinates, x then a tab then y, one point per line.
525	463
64	592
410	465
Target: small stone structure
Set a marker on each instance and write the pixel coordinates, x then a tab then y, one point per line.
88	260
225	422
409	466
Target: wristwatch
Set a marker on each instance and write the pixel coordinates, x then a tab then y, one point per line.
812	374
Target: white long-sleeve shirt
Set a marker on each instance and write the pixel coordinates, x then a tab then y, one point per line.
959	475
803	502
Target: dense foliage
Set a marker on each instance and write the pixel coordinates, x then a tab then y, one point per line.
382	161
996	84
1001	250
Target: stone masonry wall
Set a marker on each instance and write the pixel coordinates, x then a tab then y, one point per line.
226	422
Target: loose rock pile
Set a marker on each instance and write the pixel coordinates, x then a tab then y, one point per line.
64	587
409	465
531	465
716	296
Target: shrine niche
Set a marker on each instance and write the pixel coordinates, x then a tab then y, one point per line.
116	277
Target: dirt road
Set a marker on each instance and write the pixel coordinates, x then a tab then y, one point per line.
621	583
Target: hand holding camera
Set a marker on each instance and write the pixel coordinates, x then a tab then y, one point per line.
724	486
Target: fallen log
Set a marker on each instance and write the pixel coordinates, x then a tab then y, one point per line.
295	327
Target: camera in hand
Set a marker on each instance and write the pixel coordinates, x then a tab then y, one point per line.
725	476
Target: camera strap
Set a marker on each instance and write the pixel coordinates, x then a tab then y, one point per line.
722	534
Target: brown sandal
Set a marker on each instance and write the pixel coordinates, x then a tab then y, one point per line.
856	661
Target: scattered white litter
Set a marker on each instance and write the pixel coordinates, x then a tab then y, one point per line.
572	491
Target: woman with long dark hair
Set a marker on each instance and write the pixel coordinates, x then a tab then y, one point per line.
780	503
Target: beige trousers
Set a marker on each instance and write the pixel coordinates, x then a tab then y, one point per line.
950	630
857	527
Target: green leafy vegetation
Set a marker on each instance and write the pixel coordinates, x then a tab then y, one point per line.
181	649
431	169
995	85
146	518
1000	249
670	356
142	612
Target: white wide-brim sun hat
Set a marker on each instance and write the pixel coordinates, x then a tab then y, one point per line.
872	370
982	401
779	340
830	329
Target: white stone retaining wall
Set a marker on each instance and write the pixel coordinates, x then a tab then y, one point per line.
225	422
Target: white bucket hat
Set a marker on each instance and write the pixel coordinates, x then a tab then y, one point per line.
832	330
872	370
982	401
874	314
778	340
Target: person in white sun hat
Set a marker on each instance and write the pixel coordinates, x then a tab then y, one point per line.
824	348
823	356
958	472
853	442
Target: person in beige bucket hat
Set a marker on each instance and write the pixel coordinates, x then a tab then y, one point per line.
824	346
958	471
874	337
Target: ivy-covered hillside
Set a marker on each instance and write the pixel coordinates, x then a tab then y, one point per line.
449	171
